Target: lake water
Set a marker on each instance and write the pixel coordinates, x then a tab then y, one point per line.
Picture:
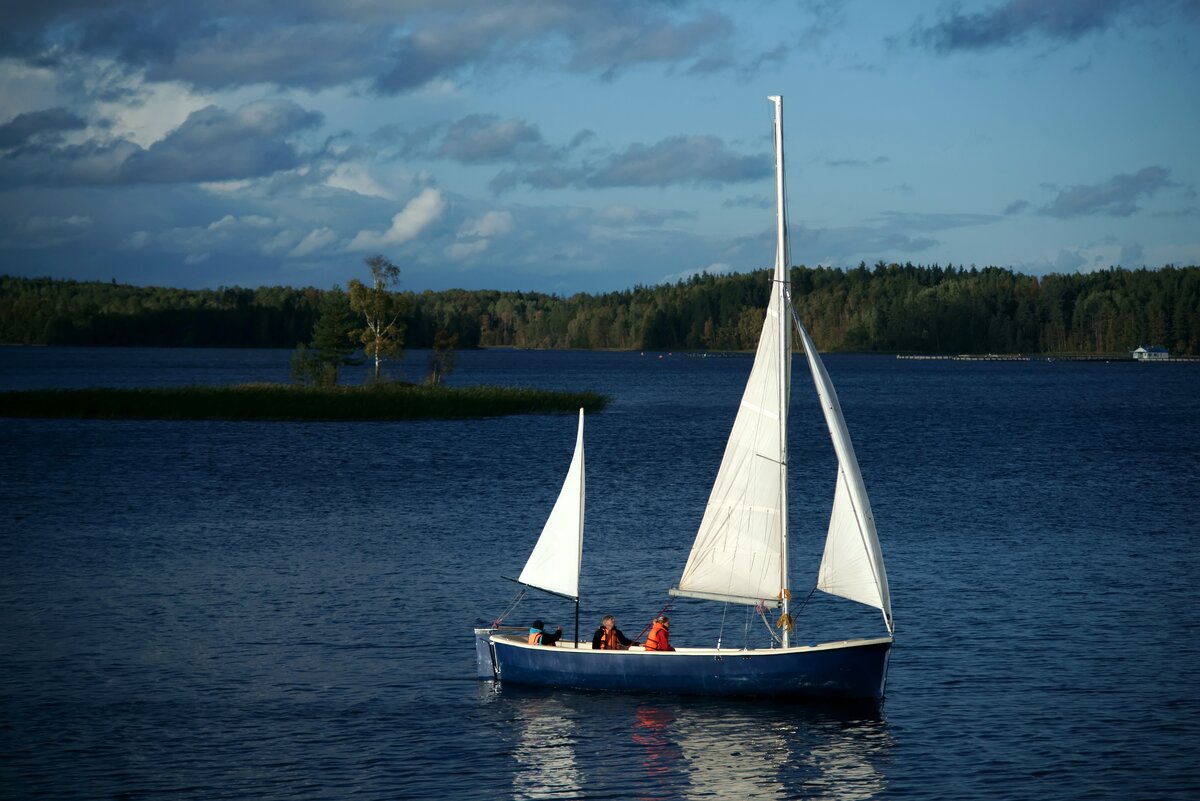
230	610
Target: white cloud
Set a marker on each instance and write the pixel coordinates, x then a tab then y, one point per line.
421	212
354	178
461	250
493	223
316	240
251	220
226	187
140	111
475	235
230	234
280	242
716	268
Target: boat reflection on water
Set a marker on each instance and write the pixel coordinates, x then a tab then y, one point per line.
759	751
662	759
662	747
545	752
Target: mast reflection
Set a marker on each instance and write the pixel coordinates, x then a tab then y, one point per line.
545	753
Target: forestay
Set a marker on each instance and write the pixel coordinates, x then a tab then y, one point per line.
554	564
852	565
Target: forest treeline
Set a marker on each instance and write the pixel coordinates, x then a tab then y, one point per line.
888	308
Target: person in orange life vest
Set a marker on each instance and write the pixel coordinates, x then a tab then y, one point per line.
659	638
539	637
610	638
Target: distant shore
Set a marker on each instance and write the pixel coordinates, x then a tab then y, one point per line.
285	402
1041	357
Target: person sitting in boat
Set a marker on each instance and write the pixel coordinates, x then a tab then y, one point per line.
659	638
610	638
539	637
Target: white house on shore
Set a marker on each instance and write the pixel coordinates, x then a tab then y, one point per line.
1156	353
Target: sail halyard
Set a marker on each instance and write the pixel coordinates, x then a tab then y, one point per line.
554	564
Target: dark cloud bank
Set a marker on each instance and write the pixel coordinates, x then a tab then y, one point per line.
390	47
1117	197
1015	21
212	144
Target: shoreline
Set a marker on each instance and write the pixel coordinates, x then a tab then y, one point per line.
284	402
1040	357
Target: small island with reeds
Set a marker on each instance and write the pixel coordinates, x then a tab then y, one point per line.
363	324
381	401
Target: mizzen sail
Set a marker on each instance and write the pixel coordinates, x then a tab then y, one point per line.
554	564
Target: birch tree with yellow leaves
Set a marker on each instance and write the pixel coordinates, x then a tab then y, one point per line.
381	308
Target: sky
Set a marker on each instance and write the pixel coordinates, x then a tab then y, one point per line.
590	146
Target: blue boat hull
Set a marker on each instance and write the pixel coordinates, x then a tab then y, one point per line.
852	669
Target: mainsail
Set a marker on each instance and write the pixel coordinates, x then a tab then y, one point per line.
554	564
740	551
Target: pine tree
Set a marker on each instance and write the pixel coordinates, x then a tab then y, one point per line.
331	348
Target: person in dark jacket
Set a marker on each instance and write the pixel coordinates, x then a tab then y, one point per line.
538	636
610	638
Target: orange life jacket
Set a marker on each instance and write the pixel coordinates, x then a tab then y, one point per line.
658	639
609	641
535	638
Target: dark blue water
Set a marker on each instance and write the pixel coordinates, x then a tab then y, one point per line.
273	610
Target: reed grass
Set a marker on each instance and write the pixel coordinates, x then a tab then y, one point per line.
389	401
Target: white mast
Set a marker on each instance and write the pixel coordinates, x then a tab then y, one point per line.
780	286
738	555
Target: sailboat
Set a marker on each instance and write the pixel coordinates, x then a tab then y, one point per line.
554	565
740	553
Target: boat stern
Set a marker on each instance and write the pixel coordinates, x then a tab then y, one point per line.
485	659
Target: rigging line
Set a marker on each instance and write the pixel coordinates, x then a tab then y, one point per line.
662	611
762	614
806	599
510	608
